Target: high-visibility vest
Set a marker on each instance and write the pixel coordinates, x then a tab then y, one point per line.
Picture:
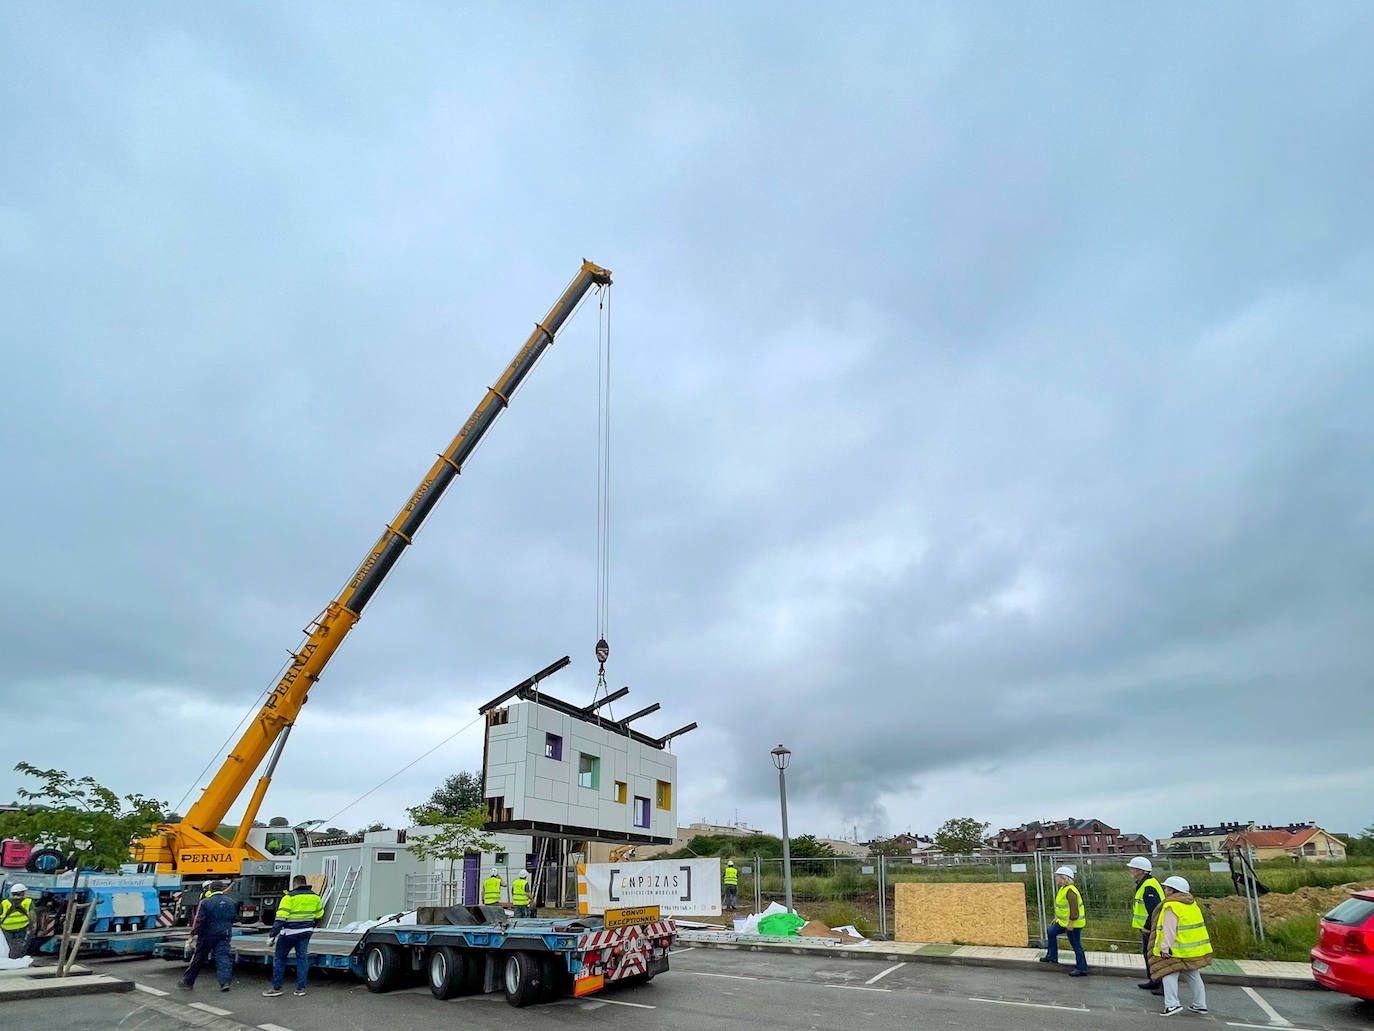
1140	914
731	875
14	914
300	908
1191	939
491	890
519	892
1061	907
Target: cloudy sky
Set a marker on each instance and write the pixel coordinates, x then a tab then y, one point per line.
991	396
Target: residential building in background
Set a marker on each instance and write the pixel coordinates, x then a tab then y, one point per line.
1093	837
1202	838
1307	842
1205	839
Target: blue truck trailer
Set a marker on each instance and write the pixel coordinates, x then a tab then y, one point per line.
463	950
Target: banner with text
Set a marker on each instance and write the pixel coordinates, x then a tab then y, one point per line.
678	887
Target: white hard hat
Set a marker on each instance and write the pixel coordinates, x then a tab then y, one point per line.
729	862
1177	883
524	873
17	887
1067	871
1141	863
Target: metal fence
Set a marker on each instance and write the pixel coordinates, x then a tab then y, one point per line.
460	885
861	891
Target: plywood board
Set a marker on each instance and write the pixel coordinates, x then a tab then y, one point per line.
969	914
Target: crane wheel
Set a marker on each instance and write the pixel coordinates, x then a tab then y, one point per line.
46	860
381	967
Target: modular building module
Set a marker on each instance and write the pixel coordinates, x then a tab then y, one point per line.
554	769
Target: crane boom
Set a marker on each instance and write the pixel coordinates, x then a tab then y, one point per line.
191	845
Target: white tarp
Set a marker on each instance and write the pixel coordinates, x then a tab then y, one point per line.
679	887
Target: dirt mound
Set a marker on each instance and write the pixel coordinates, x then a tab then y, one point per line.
1275	906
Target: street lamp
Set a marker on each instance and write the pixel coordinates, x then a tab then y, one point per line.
780	758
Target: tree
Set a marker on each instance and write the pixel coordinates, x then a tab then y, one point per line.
279	821
1361	846
453	836
960	836
805	846
888	847
456	795
375	825
77	814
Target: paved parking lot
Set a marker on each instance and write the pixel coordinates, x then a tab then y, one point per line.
706	989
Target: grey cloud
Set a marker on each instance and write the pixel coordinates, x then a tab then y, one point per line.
981	379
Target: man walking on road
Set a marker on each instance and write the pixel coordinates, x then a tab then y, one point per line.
731	886
1148	896
213	928
1069	917
1181	947
16	920
298	912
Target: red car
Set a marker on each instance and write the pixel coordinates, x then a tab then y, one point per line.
1344	957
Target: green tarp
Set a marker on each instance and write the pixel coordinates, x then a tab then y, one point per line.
781	925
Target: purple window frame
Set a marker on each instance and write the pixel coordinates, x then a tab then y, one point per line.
553	747
642	811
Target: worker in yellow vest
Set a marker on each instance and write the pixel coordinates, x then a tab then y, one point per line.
520	893
731	885
491	890
1148	896
298	913
1181	947
1069	918
16	920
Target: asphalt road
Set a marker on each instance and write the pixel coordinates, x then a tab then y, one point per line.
706	990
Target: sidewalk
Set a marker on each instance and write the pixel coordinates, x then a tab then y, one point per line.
1252	972
41	983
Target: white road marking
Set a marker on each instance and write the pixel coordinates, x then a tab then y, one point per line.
1033	1005
856	987
1264	1027
621	1002
703	973
1274	1019
209	1009
880	976
273	1027
679	952
150	991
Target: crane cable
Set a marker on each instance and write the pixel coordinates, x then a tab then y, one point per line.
603	490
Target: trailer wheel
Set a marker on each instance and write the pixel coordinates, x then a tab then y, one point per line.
381	966
448	972
523	979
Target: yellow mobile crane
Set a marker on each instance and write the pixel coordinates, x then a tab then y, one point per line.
191	847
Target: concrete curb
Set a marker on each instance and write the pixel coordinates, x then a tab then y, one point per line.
880	954
57	987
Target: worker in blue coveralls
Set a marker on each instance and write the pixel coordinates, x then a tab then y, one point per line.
298	912
213	928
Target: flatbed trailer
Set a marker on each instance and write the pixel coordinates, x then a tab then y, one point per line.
478	949
328	950
530	960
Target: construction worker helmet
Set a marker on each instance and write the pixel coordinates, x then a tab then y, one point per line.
17	889
1141	863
